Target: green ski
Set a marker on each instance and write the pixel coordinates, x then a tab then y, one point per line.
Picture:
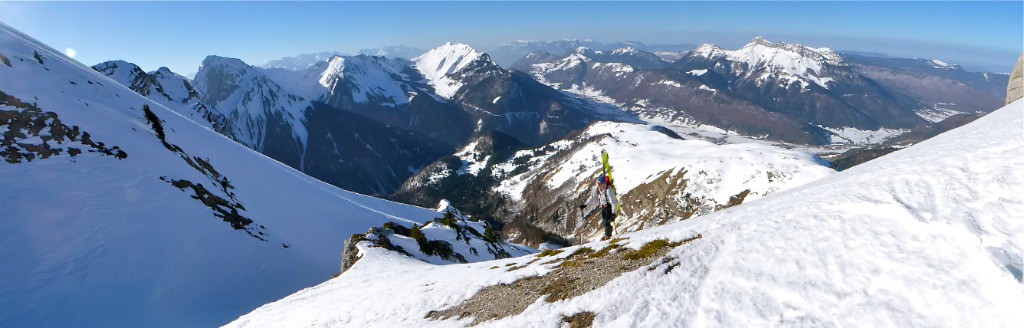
608	173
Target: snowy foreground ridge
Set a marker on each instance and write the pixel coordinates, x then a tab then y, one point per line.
123	239
926	236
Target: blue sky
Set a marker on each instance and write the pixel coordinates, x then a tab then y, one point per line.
979	35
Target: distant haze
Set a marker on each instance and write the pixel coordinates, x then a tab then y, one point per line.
978	35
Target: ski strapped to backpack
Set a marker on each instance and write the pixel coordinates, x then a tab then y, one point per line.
607	169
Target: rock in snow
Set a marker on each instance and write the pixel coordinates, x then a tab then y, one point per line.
1015	89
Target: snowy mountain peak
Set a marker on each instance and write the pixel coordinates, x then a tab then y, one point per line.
392	51
163	74
760	40
116	65
943	65
174	85
439	64
302	61
538	54
761	52
164	70
447	58
708	50
571	61
370	77
163	83
789	61
233	64
767	51
362	79
123	72
334	71
249	98
627	51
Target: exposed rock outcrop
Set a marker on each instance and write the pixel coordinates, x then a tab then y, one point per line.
450	238
1015	89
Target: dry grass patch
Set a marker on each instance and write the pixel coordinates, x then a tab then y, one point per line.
549	252
579	273
580	320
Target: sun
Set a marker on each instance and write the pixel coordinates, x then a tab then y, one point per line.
70	52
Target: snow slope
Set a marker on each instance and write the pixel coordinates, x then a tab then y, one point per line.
641	152
439	63
659	177
645	162
926	236
97	240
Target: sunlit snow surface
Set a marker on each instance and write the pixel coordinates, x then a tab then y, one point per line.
640	154
926	236
439	63
95	241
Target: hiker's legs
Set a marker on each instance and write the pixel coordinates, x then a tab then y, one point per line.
606	220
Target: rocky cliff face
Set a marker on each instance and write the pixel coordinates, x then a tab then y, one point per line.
280	113
1015	89
167	88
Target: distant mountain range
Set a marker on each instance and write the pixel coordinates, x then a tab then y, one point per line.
508	53
410	112
776	91
302	61
340	118
393	51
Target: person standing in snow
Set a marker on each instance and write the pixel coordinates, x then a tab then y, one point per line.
603	196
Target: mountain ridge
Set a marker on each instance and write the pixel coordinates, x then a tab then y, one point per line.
133	215
772	90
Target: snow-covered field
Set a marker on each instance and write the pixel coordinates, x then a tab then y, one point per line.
854	136
927	236
936	113
640	154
